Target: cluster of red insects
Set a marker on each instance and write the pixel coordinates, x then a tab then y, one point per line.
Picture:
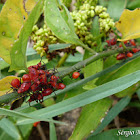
124	55
38	83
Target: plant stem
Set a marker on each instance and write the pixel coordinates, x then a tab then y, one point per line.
40	130
90	60
11	96
62	60
116	33
123	45
89	49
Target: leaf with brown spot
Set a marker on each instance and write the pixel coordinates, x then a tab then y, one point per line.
12	18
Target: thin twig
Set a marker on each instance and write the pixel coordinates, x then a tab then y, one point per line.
62	60
41	132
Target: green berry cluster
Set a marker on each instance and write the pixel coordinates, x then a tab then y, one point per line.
42	38
83	19
79	3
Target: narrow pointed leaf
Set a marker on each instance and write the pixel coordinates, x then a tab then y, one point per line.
87	97
5	136
114	111
54	47
9	128
52	131
90	117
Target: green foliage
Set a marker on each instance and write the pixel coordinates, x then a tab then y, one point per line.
57	47
94	114
96	66
18	53
52	131
81	25
124	70
115	8
61	28
9	127
114	111
60	22
133	4
87	97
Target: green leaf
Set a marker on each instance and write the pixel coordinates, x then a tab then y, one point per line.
9	128
13	113
90	117
87	97
54	47
95	30
103	3
3	64
52	131
48	102
26	129
91	69
109	61
128	68
4	136
133	4
115	8
18	51
58	19
114	111
129	91
36	61
132	133
76	58
23	115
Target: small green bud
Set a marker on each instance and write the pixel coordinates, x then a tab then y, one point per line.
42	43
92	13
39	32
42	54
35	28
39	49
98	9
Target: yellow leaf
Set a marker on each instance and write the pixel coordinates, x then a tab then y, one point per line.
12	18
29	5
129	24
5	84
